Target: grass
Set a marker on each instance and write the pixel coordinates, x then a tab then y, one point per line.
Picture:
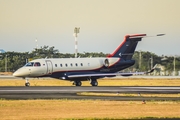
128	94
101	82
86	109
91	109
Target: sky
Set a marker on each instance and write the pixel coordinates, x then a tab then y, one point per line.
103	24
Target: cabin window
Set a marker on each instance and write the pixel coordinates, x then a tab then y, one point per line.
29	64
37	64
71	64
81	64
55	65
61	65
76	64
66	65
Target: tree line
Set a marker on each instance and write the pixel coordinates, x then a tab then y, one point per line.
11	61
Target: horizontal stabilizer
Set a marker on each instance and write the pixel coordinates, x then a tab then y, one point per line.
136	36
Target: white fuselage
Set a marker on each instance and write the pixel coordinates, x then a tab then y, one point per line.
59	65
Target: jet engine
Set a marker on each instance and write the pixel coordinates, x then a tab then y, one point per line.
106	63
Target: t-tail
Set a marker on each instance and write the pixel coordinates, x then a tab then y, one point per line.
126	49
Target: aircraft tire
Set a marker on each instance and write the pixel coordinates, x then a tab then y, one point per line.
94	83
27	84
77	83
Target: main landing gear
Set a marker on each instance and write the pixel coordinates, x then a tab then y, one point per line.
27	84
77	83
93	82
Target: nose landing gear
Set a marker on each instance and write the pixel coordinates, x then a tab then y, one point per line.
27	84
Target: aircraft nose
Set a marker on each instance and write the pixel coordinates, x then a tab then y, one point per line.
22	72
16	74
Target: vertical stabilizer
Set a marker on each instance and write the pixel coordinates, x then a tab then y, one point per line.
126	49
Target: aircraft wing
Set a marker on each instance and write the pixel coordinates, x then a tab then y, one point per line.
77	75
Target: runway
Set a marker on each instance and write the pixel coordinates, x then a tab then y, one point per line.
5	77
67	92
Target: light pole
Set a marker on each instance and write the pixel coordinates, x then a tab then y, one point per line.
6	63
0	60
151	62
76	31
174	65
139	59
36	43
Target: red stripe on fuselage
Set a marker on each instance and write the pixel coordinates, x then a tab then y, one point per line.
111	55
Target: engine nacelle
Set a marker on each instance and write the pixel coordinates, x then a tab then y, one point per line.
106	63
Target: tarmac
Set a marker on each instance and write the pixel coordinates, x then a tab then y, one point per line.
67	92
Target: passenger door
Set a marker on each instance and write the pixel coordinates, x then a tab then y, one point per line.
49	67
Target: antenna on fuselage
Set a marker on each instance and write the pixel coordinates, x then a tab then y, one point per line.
76	31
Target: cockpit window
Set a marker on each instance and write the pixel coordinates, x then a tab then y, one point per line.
29	64
37	64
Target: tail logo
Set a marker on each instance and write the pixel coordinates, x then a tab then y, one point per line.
120	54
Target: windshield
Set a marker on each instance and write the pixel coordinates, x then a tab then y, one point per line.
29	64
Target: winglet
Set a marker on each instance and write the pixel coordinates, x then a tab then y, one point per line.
152	70
160	34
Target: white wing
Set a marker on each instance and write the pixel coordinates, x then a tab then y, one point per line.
109	74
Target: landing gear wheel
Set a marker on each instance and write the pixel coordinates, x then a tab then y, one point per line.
27	84
94	82
77	83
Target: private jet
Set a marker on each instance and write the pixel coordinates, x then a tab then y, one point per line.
85	69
